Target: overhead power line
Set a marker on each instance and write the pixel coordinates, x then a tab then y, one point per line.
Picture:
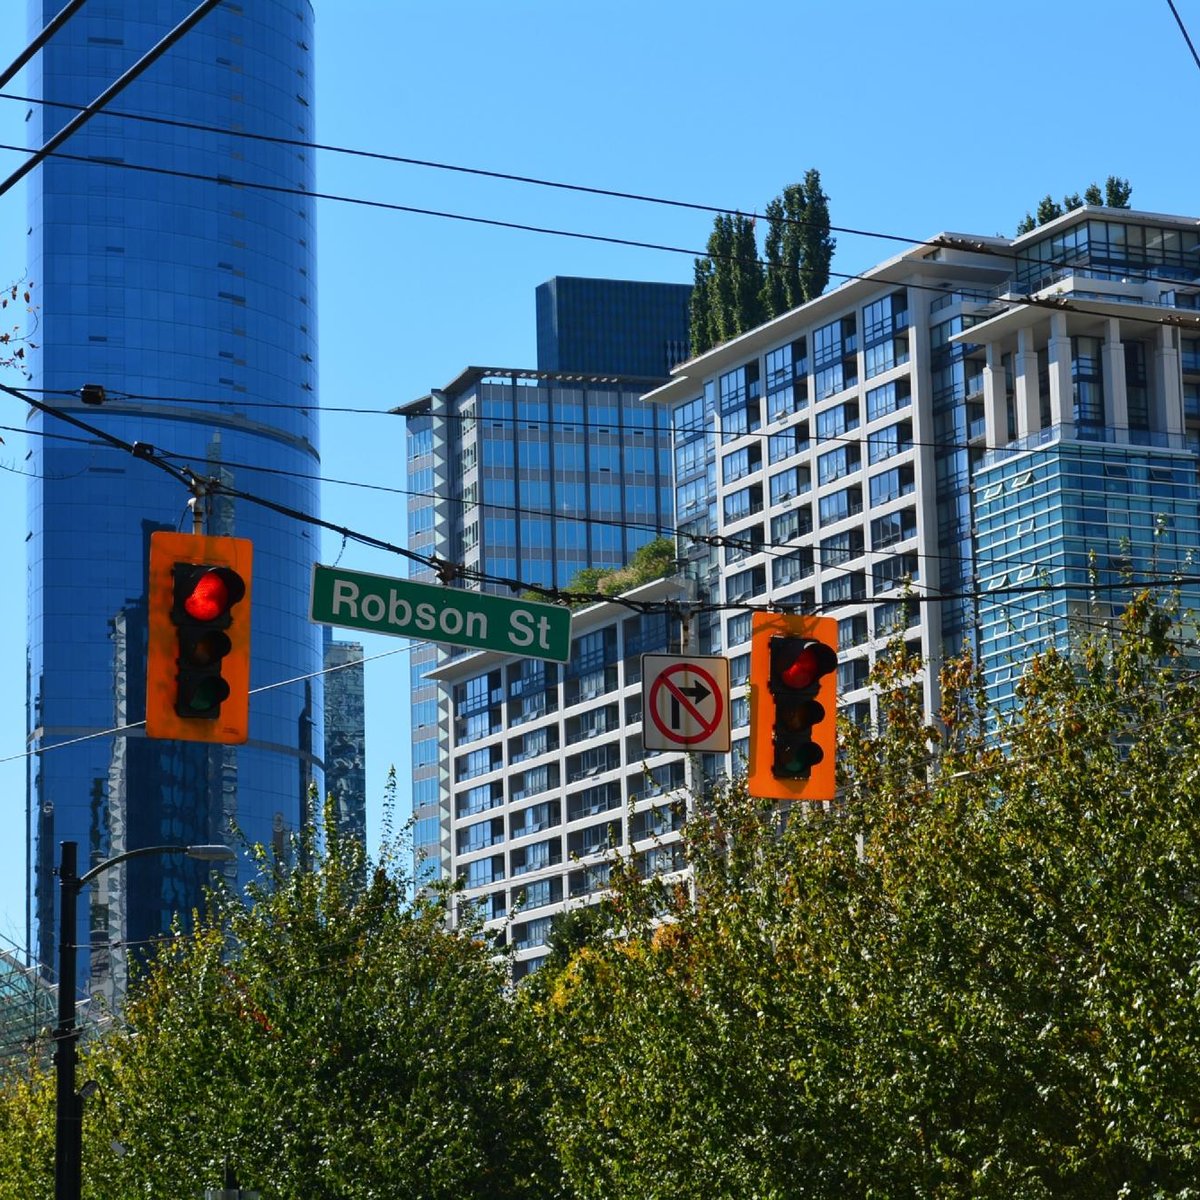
1059	303
976	245
54	25
113	90
733	541
1183	30
449	572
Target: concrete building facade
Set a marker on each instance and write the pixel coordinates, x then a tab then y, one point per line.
548	774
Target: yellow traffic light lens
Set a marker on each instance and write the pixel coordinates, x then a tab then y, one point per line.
204	651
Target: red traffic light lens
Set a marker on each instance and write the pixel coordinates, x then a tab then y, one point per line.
209	597
804	670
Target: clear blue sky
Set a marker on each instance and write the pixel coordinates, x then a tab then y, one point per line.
921	117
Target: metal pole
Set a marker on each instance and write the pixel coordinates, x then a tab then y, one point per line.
68	1129
68	1111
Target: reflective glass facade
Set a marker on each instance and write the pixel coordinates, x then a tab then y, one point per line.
527	476
193	303
611	325
1087	515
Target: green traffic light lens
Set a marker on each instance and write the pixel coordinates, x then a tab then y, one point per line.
207	695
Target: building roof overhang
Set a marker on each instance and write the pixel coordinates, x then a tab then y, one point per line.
946	260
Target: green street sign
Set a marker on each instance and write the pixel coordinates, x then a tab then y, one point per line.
440	614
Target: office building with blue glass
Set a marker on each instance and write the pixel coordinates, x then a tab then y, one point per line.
528	476
192	302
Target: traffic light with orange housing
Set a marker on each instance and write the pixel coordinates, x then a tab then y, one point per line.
198	660
793	707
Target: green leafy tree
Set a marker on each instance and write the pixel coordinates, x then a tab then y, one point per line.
733	291
780	281
328	1038
816	246
979	976
1116	194
652	560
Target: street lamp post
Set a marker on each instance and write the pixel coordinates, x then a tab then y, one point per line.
68	1114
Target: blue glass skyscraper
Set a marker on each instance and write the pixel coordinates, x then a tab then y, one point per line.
161	273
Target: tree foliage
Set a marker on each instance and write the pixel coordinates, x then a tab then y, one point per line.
733	291
328	1038
15	341
1116	194
652	560
980	977
976	977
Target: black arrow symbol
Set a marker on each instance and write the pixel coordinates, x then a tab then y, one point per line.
696	693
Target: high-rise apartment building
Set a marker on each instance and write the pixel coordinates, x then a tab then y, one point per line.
526	476
192	301
617	326
996	422
549	776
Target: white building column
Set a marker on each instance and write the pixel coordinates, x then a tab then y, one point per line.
1058	350
1112	366
1166	405
1028	389
995	411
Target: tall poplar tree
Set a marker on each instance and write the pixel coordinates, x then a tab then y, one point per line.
734	292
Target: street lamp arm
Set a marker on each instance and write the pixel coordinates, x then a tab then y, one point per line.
68	1115
214	853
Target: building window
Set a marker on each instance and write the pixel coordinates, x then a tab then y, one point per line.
839	505
792	440
885	356
889	398
835	464
895	570
1087	381
742	462
853	674
788	568
893	528
840	548
744	502
844	588
738	630
889	485
792	524
838	420
852	631
894	616
788	483
892	439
